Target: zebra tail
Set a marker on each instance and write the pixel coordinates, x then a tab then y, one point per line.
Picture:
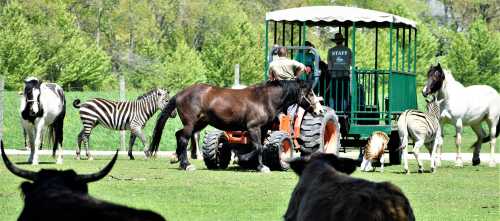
160	124
488	138
403	130
76	103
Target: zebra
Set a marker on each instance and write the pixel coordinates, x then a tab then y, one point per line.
117	115
424	129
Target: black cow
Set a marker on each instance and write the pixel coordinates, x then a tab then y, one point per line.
63	195
326	192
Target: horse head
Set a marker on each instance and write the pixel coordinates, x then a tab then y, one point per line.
30	103
435	78
307	98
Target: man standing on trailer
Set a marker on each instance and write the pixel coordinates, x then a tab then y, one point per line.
283	68
339	67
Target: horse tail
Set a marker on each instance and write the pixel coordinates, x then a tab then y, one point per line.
403	130
488	138
56	129
76	103
160	124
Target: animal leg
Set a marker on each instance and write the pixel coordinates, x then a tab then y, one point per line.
194	145
416	150
255	136
404	156
80	139
458	142
478	130
131	145
364	164
493	141
382	159
38	139
31	144
183	136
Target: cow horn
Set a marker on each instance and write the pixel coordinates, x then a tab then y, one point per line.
26	174
87	178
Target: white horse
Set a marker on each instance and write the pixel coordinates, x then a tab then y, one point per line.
463	106
43	106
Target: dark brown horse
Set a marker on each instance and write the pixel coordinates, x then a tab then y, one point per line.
252	109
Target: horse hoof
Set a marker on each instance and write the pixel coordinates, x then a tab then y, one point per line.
264	169
407	172
476	162
174	159
131	157
34	162
492	164
420	170
433	170
190	168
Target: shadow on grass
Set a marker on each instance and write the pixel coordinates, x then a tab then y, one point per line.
41	163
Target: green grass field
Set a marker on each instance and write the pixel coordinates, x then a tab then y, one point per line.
105	139
469	193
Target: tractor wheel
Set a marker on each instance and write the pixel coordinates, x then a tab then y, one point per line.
330	132
277	148
320	133
393	146
216	150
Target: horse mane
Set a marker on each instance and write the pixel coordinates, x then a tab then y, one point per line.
147	94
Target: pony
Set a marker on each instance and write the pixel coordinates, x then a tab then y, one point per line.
43	107
251	109
462	106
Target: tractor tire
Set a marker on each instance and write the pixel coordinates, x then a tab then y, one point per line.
393	146
277	149
320	133
216	150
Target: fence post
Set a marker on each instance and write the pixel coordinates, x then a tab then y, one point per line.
236	75
1	105
122	98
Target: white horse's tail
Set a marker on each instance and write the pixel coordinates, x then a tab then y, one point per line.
403	130
488	138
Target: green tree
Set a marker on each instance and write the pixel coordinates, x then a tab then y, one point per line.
18	51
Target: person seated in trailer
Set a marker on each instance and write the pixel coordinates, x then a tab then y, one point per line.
339	67
307	57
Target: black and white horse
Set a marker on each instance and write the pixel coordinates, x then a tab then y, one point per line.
43	106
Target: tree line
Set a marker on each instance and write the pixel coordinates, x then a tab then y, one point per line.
86	44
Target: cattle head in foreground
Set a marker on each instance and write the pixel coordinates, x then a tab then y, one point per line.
63	195
325	191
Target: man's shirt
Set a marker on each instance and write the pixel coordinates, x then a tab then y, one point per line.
284	68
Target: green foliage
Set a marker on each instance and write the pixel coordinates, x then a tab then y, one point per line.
234	43
18	51
474	56
183	68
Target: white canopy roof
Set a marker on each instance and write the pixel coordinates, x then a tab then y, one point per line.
338	15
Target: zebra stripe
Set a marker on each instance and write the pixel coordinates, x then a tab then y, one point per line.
119	115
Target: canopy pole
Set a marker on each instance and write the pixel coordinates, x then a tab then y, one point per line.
397	49
291	38
354	97
266	50
283	34
275	32
415	53
390	70
375	97
300	35
346	34
403	50
409	51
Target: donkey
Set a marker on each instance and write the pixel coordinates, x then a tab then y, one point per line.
252	109
463	106
43	105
